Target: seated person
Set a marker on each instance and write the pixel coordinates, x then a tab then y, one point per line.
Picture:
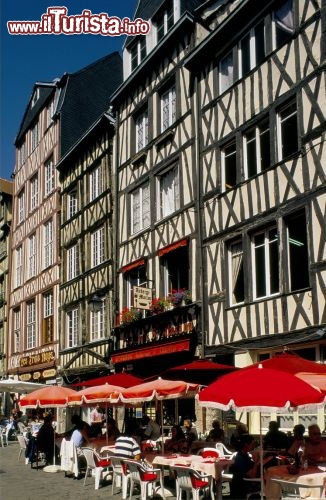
216	434
274	438
315	447
112	429
152	430
177	442
126	445
245	466
81	433
297	440
240	430
190	432
97	419
46	440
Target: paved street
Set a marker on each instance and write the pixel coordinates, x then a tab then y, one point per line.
19	481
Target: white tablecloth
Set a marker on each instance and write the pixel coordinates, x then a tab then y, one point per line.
311	477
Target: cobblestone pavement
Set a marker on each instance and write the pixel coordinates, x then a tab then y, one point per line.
20	481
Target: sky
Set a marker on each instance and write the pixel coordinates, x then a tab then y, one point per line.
26	59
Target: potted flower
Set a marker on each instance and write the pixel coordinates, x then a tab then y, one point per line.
159	305
129	315
179	297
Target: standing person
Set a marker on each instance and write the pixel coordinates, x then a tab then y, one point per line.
97	420
274	438
126	445
216	434
152	429
46	440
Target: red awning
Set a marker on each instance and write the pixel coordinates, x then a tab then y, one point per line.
173	246
150	351
128	267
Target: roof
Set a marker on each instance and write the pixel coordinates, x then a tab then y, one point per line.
6	186
86	96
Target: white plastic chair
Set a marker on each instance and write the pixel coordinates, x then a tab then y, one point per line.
89	454
120	472
22	446
144	477
292	491
191	481
255	491
223	451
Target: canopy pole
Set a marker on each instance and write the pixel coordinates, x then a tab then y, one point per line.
261	458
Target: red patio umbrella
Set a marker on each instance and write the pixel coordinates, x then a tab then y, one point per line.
93	395
315	379
291	363
52	396
158	389
121	379
261	389
200	371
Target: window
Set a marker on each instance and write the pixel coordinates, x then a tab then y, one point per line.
22	154
19	266
252	49
164	20
236	278
95	183
98	323
35	97
168	108
297	245
34	136
21	206
97	247
31	325
72	204
135	277
256	149
47	318
265	262
34	192
72	262
226	72
175	270
169	198
141	131
72	328
32	256
49	176
48	243
287	130
229	166
140	208
138	52
17	331
283	27
50	113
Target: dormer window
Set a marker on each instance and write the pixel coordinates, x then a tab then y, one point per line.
138	52
35	97
164	20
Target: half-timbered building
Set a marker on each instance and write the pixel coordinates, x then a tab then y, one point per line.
259	92
157	230
57	116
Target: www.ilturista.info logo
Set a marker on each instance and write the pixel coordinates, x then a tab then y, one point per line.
57	22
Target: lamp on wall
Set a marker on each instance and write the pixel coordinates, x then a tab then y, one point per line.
95	303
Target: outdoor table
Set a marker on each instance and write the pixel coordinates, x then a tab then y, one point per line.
210	466
311	476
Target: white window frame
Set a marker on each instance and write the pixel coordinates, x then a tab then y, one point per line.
258	131
141	127
140	208
32	253
281	119
72	203
34	192
48	243
287	24
168	108
35	136
131	280
50	113
97	247
95	183
72	326
31	324
236	260
49	176
17	330
164	21
22	154
138	53
226	80
267	247
168	186
224	159
252	49
19	266
48	317
21	206
72	262
97	320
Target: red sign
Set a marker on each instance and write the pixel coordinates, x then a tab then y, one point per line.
150	351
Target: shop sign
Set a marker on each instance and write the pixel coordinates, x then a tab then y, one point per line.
49	373
142	297
36	375
37	358
25	377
